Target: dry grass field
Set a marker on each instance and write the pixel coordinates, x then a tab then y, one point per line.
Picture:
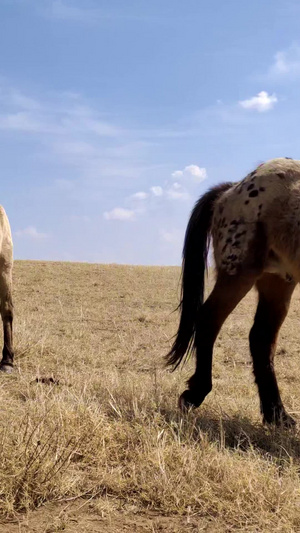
91	439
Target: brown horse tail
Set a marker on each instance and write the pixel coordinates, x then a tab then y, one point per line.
194	265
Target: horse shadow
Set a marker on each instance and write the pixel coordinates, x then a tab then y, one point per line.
236	432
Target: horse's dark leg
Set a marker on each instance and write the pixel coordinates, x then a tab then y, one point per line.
227	293
6	309
274	300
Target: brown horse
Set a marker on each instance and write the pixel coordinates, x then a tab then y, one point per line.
6	306
255	229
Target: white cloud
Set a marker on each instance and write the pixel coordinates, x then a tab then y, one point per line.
261	102
63	11
198	174
286	63
172	237
157	190
177	195
15	98
119	213
77	148
177	192
81	118
20	100
61	115
177	174
22	121
140	195
192	174
32	233
73	11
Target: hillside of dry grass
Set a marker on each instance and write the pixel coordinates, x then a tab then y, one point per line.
90	415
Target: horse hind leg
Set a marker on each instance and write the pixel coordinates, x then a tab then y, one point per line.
274	300
227	293
6	309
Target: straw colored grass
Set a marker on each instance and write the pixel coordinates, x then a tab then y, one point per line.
90	415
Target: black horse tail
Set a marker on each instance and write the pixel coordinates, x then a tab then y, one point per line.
194	265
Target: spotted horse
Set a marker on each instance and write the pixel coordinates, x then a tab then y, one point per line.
255	230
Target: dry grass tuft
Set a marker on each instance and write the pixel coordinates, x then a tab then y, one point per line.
91	412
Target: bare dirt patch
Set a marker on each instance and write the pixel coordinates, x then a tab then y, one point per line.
76	519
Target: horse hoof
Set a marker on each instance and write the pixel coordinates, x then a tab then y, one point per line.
186	401
287	421
280	419
7	369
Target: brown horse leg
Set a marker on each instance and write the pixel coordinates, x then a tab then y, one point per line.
227	293
6	309
274	300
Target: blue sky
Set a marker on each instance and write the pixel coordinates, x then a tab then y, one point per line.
116	116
